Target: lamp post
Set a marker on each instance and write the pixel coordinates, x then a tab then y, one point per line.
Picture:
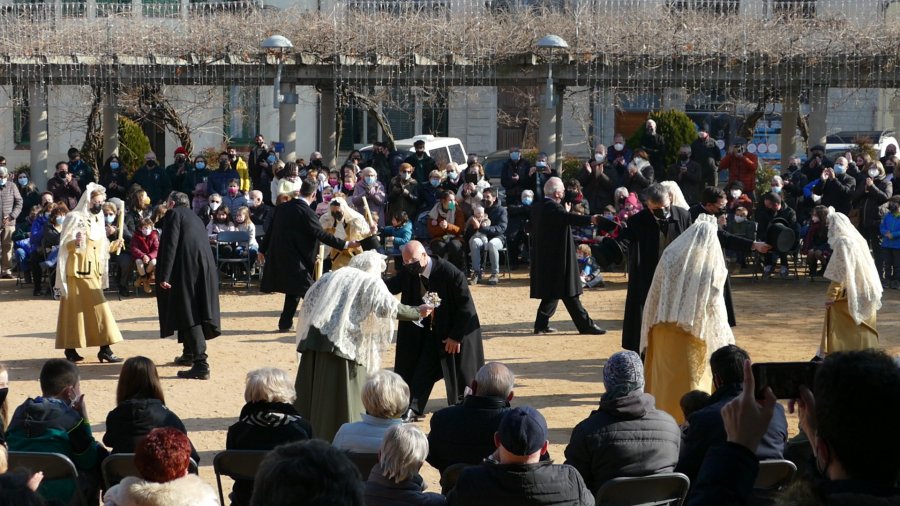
279	46
284	98
549	43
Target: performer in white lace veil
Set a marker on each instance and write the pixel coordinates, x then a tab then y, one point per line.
852	266
354	227
353	307
675	194
688	287
92	227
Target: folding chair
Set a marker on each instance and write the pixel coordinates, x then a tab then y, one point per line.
55	466
241	240
502	253
656	489
774	474
237	465
118	466
364	462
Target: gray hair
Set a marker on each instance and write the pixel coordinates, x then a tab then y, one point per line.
385	395
494	380
552	185
528	193
657	193
269	384
403	450
180	199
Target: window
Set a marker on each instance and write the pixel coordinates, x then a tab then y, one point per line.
707	6
241	114
21	118
456	153
112	7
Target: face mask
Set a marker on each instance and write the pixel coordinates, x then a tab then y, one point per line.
540	165
599	157
660	213
472	177
271	159
526	202
370	180
815	219
114	165
414	268
317	163
96	208
452	176
2	182
839	169
571	195
739	219
200	165
61	175
816	198
420	154
514	156
333	181
321	178
337	216
894	208
151	164
348	186
326	198
214	205
59	220
435	182
232	191
608	216
872	173
110	218
736	194
619	146
146	231
405	176
3	393
637	160
223	164
683	156
23	181
776	189
451	206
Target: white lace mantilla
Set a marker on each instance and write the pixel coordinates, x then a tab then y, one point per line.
852	265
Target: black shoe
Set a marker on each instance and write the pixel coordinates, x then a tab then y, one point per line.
593	330
124	291
73	356
548	330
106	354
410	416
285	330
197	372
184	359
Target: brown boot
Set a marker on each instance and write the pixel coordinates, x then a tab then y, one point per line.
148	283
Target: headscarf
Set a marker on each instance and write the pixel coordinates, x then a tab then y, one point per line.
852	265
623	373
688	287
354	225
81	219
677	197
354	309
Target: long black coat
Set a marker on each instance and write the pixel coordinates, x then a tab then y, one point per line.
642	234
554	268
186	262
455	318
290	247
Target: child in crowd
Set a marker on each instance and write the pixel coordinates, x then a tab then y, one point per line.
815	245
221	222
479	218
890	243
627	204
327	194
740	225
693	401
243	223
144	249
233	198
587	266
400	230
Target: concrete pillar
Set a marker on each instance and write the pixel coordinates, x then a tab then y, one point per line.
604	117
110	125
550	129
287	124
818	115
328	122
40	140
789	114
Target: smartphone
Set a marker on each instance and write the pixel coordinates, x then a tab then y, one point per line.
784	378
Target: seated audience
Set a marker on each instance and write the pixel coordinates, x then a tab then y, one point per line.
56	422
307	473
144	249
395	480
488	235
446	222
691	402
259	210
386	398
401	230
464	434
627	435
519	476
815	245
266	421
519	215
706	429
162	458
140	408
18	489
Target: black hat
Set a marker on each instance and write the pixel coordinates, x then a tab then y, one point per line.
781	236
522	431
608	252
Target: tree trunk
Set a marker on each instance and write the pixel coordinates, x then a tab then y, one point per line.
92	149
374	112
156	106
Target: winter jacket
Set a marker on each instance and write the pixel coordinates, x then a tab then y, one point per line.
836	192
890	223
499	221
364	436
464	434
144	245
598	187
869	201
10	202
400	201
512	178
627	436
375	200
381	491
690	180
538	484
401	235
135	418
233	203
65	192
422	167
217	182
741	168
154	181
188	490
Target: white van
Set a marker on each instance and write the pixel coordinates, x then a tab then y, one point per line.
839	143
442	149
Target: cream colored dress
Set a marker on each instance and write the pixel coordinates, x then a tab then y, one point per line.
676	363
840	331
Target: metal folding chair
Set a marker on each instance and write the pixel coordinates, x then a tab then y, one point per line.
237	465
656	489
55	466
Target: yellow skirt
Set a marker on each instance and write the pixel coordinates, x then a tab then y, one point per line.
84	316
675	364
841	333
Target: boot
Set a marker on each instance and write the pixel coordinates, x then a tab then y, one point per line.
148	283
185	359
139	282
200	371
106	354
73	356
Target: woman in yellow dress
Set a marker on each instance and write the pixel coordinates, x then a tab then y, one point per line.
685	319
854	295
81	275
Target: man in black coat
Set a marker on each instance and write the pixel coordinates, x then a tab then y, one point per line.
705	152
289	251
554	268
513	176
836	187
648	233
187	294
655	145
448	345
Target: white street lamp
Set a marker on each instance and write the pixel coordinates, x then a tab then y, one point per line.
279	46
549	43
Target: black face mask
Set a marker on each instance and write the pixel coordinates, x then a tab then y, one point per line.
660	213
316	163
683	157
96	208
414	268
471	178
571	195
62	175
337	216
3	393
151	164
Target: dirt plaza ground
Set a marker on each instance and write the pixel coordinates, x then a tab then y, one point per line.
560	374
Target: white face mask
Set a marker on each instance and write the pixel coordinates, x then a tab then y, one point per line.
214	205
405	175
110	218
736	194
740	219
873	172
146	231
619	146
599	157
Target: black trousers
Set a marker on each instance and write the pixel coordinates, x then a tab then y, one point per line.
194	343
577	312
288	311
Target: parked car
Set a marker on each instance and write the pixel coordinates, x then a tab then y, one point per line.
442	149
839	143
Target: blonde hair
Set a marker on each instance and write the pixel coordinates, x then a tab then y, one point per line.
584	248
269	384
385	395
403	450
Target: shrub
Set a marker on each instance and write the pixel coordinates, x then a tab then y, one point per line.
675	127
133	145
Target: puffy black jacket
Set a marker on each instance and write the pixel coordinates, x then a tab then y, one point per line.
837	192
135	418
381	491
465	433
869	201
627	436
538	484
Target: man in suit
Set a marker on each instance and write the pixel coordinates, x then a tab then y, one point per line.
291	246
554	268
448	345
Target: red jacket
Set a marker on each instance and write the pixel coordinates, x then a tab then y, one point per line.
741	169
144	245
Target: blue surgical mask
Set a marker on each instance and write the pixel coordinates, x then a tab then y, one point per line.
514	156
839	169
271	159
200	165
370	180
109	218
452	175
23	181
540	165
435	182
526	201
114	165
59	220
776	189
